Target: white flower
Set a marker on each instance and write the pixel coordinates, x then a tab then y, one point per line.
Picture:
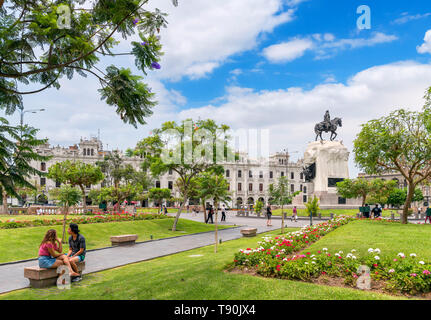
337	254
353	250
377	257
371	250
340	251
306	263
391	271
402	255
313	262
377	250
413	255
353	257
421	262
325	249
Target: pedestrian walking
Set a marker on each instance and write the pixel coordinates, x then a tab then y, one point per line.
223	213
268	215
428	215
210	214
294	215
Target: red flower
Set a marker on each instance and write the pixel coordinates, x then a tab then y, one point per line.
278	268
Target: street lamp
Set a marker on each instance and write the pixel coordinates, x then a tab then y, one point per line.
28	111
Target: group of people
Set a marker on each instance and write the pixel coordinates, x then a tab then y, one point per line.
269	215
367	212
51	251
210	210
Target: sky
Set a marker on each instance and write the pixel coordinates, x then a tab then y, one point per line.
274	65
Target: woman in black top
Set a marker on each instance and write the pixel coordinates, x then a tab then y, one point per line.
268	214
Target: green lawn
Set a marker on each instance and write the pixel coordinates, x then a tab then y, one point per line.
23	243
391	238
327	212
195	274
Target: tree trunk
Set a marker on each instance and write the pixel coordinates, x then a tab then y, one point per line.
364	198
4	208
282	219
66	211
1	3
216	226
410	193
84	199
177	217
205	211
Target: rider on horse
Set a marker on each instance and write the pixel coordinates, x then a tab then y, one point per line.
327	121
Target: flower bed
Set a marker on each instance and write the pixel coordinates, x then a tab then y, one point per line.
275	257
12	223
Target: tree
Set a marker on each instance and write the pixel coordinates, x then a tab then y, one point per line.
71	39
76	174
282	196
158	195
216	187
17	146
67	196
312	206
400	142
187	149
376	189
123	192
398	196
259	206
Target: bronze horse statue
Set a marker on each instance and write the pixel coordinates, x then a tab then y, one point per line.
326	127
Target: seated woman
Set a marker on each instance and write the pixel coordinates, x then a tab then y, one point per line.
50	255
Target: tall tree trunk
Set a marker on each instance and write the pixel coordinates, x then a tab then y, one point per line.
84	199
177	217
216	226
4	208
282	219
364	198
66	211
410	193
205	211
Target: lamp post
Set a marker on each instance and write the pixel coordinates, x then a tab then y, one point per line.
28	111
287	165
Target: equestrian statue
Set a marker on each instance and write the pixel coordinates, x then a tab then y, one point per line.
328	125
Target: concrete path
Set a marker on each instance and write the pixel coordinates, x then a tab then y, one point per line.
12	275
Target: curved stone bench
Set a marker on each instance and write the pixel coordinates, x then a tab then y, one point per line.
249	232
124	240
42	278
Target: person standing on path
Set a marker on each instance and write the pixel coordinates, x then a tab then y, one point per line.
268	215
428	215
223	213
210	214
294	215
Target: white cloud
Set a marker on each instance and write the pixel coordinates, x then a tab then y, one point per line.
202	35
405	17
426	46
287	51
291	114
324	45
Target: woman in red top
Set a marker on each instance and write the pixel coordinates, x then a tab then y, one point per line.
50	255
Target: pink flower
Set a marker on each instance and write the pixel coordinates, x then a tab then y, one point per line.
413	274
395	260
426	272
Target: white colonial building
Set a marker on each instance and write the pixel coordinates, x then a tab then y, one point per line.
249	179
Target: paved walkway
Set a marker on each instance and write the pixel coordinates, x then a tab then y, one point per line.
12	275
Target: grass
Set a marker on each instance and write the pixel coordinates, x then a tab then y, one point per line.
193	275
391	238
327	212
23	243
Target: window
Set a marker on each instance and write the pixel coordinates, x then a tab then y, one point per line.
250	187
304	199
292	188
261	187
42	166
261	175
305	189
301	175
170	172
92	152
227	173
157	184
300	187
271	175
228	187
282	173
85	152
239	186
42	181
341	200
292	175
250	174
239	174
170	185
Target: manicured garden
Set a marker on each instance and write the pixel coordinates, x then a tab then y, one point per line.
22	243
327	212
397	256
192	275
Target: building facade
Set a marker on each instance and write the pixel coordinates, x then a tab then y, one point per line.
249	179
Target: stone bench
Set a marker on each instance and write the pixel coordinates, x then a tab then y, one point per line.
124	240
249	232
42	278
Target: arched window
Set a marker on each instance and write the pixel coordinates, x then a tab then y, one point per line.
85	152
227	173
92	152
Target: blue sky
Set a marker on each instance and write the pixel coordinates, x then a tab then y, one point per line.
263	64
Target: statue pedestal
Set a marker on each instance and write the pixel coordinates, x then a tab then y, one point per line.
331	159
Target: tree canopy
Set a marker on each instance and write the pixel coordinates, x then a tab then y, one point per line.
43	41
